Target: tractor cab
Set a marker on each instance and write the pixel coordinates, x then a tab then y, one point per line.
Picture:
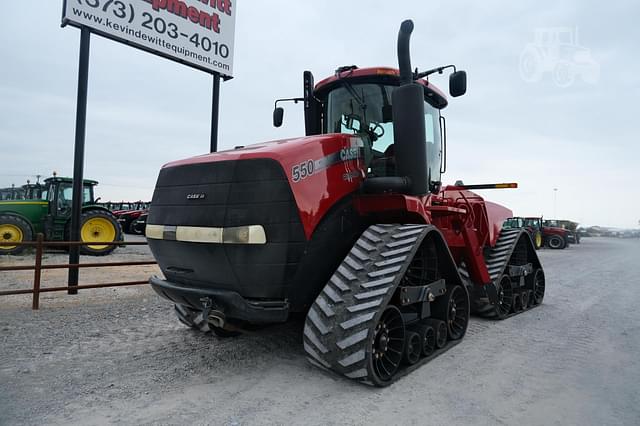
360	102
58	192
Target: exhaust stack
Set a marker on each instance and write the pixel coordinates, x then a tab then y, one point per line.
408	120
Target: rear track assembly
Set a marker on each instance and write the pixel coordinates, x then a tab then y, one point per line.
517	279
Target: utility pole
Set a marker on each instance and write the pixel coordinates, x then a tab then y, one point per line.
555	199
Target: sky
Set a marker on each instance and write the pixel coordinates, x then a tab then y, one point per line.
572	146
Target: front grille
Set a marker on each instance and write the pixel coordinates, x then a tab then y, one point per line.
236	193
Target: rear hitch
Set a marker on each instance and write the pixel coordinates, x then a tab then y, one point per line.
208	315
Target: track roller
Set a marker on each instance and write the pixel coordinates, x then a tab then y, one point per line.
428	338
453	309
440	328
517	302
412	348
524	299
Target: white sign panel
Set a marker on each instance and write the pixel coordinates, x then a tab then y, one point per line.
199	33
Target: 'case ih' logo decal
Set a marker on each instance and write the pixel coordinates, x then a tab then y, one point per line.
196	196
310	167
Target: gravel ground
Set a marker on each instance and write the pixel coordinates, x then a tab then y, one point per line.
125	359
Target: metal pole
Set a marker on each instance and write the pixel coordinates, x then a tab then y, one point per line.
555	196
215	104
37	273
78	156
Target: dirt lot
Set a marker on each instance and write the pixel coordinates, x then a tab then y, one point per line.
119	356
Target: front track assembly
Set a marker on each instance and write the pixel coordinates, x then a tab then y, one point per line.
375	320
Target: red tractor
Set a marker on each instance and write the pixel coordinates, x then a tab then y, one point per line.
533	226
349	225
553	237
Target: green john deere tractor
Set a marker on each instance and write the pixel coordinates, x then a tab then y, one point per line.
48	210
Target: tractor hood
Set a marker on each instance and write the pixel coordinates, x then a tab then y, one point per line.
282	150
321	170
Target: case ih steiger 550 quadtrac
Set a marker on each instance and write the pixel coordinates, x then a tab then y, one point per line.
350	225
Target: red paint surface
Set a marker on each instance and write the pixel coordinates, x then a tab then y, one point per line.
315	194
372	72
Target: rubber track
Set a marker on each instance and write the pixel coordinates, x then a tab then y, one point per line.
345	313
497	260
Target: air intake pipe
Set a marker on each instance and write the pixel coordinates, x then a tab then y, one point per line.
408	120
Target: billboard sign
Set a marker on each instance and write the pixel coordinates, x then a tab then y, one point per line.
199	33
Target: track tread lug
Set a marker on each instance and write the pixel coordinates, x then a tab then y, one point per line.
324	307
317	321
364	306
353	339
352	359
378	283
336	281
372	293
310	335
354	264
360	319
386	271
332	294
348	275
396	251
391	261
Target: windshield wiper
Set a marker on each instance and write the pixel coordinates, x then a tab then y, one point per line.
355	95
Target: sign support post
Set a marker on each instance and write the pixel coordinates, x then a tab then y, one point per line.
78	156
215	106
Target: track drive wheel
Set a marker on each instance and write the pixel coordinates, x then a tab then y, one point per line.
387	345
14	229
453	308
503	305
538	285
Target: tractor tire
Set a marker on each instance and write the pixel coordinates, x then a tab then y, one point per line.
556	242
563	74
99	226
537	240
134	228
14	229
531	64
188	317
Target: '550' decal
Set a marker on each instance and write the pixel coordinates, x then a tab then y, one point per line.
308	168
303	170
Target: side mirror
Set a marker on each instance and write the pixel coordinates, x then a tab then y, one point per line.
458	83
278	115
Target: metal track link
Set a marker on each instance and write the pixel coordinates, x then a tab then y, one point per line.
343	317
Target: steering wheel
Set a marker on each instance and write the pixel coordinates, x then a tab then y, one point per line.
373	126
